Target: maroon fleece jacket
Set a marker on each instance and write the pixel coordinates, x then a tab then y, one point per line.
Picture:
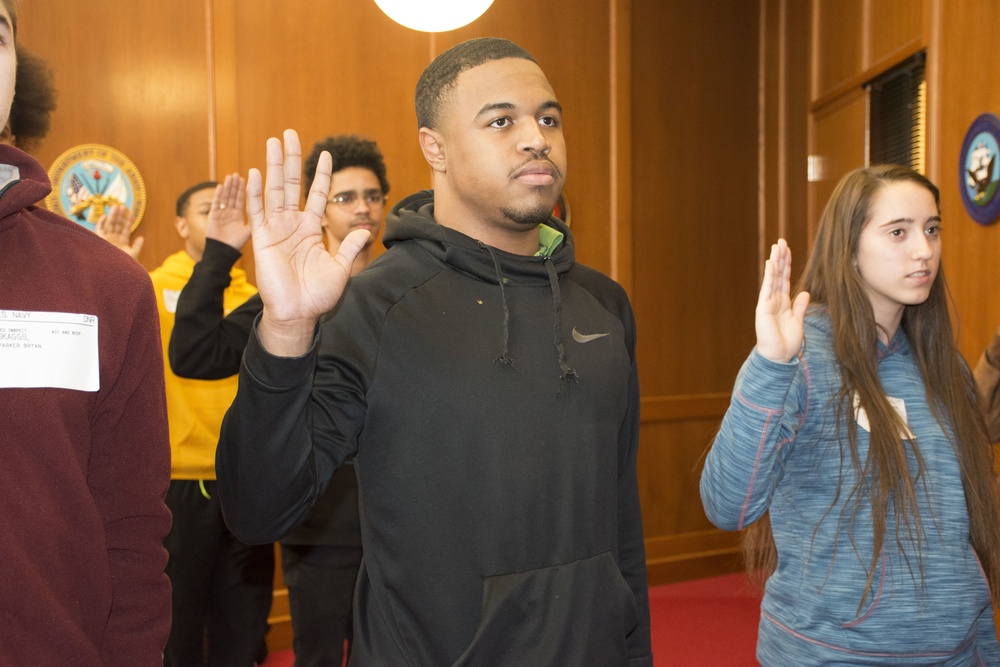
82	473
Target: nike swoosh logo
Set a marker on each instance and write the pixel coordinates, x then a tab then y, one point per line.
586	338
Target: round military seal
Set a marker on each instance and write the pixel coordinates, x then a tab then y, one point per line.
979	169
90	178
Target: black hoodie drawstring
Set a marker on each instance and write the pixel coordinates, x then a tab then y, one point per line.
504	357
568	373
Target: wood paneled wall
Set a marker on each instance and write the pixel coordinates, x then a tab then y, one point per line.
960	93
853	42
695	253
191	89
888	32
134	76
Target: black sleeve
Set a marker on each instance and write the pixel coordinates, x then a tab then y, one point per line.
295	420
631	541
267	483
205	343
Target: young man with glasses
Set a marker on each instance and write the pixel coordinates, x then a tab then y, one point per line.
321	557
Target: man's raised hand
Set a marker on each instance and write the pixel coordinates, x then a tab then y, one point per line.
227	218
298	279
115	227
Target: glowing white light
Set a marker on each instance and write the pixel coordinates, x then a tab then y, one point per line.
433	15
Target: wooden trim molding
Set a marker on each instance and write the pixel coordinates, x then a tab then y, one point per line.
693	555
683	407
620	167
224	112
887	63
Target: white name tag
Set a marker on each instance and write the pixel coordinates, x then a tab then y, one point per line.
39	349
170	297
898	404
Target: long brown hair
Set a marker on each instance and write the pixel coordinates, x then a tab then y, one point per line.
884	479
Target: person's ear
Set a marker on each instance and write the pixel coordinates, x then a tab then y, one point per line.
433	147
181	225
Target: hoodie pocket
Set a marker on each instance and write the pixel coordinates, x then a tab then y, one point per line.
577	613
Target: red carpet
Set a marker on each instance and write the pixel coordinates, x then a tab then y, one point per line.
709	622
704	623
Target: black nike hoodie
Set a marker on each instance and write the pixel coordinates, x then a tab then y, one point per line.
491	404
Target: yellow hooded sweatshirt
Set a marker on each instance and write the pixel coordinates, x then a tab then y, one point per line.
194	407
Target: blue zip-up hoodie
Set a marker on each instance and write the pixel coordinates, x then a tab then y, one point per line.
780	449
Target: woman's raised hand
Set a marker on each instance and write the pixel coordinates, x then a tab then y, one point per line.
778	318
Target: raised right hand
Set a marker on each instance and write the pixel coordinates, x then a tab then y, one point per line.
115	227
226	218
779	319
297	278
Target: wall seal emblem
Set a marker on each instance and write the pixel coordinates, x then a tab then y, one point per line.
90	178
979	169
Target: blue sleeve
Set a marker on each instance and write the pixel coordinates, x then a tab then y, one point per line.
743	465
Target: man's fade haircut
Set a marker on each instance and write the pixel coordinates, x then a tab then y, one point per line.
185	198
34	100
438	79
348	150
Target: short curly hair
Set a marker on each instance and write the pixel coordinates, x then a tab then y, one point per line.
439	77
348	150
34	100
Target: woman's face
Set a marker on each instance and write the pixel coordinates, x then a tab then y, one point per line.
899	250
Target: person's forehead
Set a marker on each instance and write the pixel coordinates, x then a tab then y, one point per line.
497	79
902	193
202	196
349	178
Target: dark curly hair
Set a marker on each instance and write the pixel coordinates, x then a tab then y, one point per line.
34	100
348	150
438	79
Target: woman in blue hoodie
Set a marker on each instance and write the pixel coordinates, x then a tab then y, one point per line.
854	451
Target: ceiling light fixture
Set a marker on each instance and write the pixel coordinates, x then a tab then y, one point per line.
433	15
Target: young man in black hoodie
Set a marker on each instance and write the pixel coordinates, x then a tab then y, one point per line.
484	383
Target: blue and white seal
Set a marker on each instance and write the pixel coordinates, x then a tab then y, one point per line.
979	169
90	178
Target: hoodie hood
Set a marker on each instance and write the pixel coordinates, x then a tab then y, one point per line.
32	187
180	266
818	317
413	219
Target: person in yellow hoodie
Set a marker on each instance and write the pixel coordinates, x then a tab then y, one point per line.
221	587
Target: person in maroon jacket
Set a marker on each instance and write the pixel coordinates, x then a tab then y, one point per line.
84	454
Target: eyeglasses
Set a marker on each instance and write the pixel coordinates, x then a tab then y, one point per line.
345	199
